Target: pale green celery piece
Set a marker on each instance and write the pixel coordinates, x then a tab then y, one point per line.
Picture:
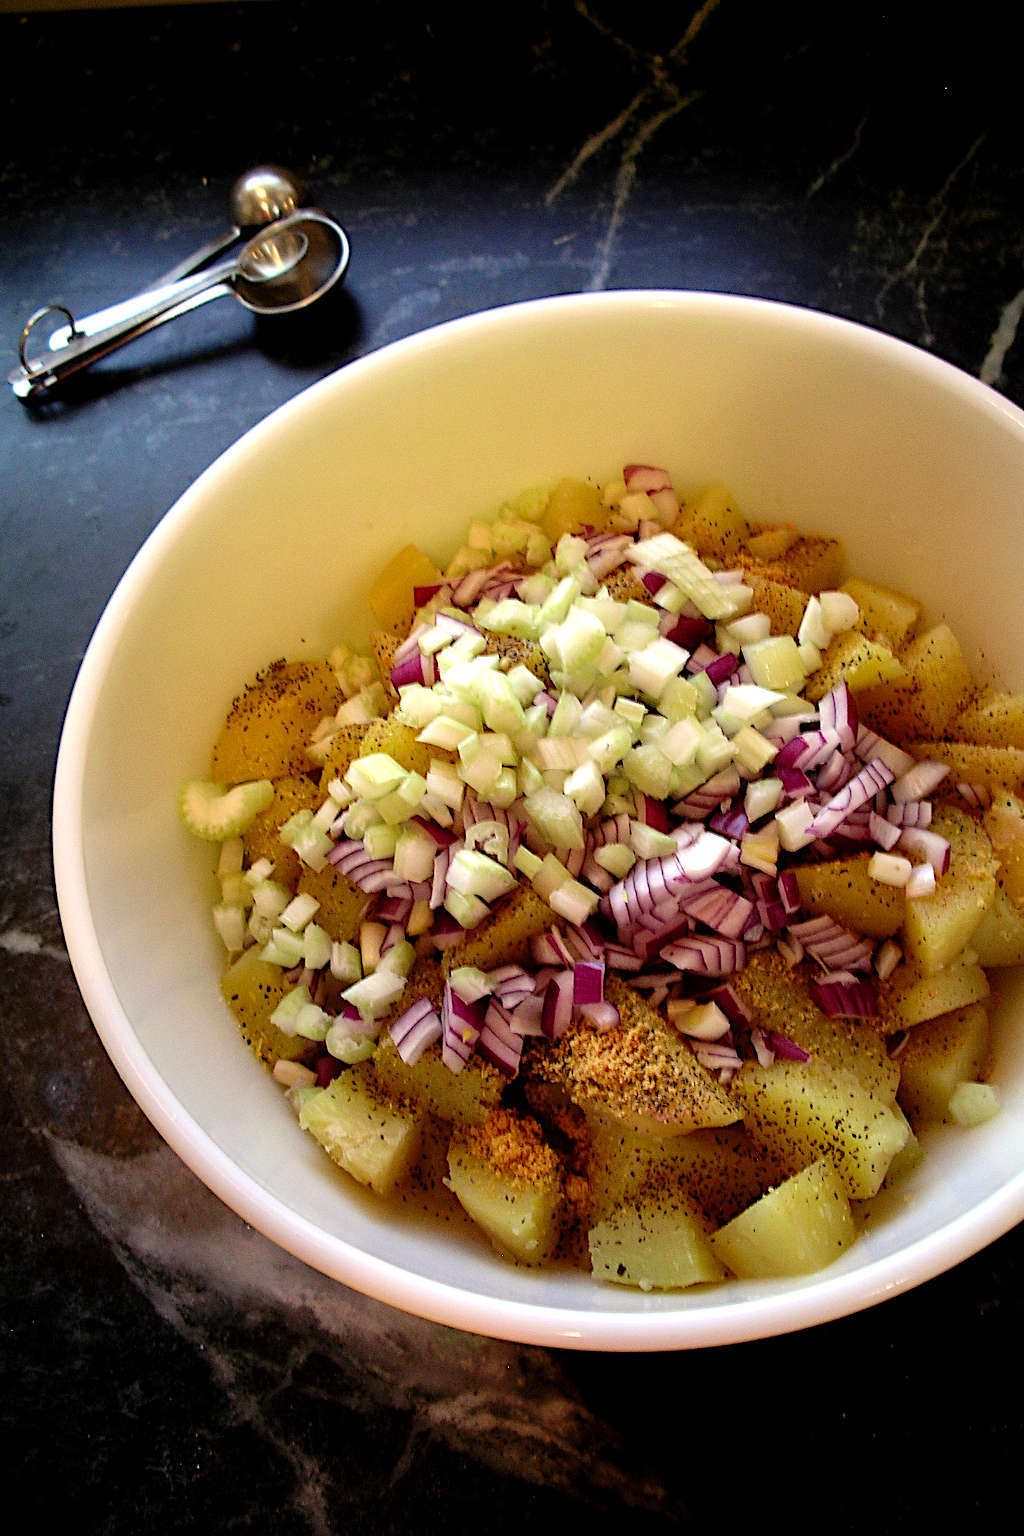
555	817
445	731
472	873
511	536
316	946
470	983
634	636
537	587
511	616
312	1023
632	711
468	911
596	718
346	962
360	816
287	1010
527	862
611	747
270	897
374	994
681	742
585	788
398	959
670	598
214	813
649	770
648	843
752	750
418	705
678	563
605	609
463	675
299	911
310	842
775	663
380	840
574	901
524	684
566	715
550	876
499	705
537	551
349	1048
555	607
617	858
236	891
715	750
685	779
530	777
374	775
580	639
229	919
570	551
230	857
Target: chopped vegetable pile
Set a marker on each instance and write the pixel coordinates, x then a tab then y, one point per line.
648	867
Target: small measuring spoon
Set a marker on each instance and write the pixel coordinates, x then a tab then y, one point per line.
286	267
259	197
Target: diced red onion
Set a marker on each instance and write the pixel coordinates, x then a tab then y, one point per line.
928	845
499	1043
588	982
556	1015
706	956
840	995
415	1029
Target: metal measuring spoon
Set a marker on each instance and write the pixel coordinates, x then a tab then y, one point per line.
289	265
259	197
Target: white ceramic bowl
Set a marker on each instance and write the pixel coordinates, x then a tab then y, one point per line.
833	426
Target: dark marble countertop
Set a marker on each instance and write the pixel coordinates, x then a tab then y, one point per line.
164	1367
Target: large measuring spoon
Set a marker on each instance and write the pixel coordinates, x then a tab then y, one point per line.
284	268
259	197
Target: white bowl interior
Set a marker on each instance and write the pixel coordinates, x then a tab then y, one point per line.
829	425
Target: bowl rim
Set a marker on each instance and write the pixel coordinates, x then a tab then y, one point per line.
820	1301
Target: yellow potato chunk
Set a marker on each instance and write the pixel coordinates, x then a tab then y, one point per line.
463	1098
272	721
371	1136
936	685
843	889
993	719
294	792
504	936
811	562
783	604
940	1055
713	525
908	997
391	596
640	1074
883	610
508	1179
252	989
853	659
656	1243
800	1111
571	505
937	928
1004	823
800	1226
999	937
1000	769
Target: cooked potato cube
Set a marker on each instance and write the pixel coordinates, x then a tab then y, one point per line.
509	1180
993	719
464	1098
373	1137
844	889
999	937
800	1226
713	525
1004	823
294	792
777	999
719	1169
937	928
853	659
937	684
572	505
800	1111
640	1074
783	604
252	989
907	997
883	610
506	934
341	904
391	594
272	721
657	1243
811	562
1000	769
937	1057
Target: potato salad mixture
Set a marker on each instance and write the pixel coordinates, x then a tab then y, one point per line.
639	896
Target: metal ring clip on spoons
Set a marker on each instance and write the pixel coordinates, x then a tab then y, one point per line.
259	197
286	267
